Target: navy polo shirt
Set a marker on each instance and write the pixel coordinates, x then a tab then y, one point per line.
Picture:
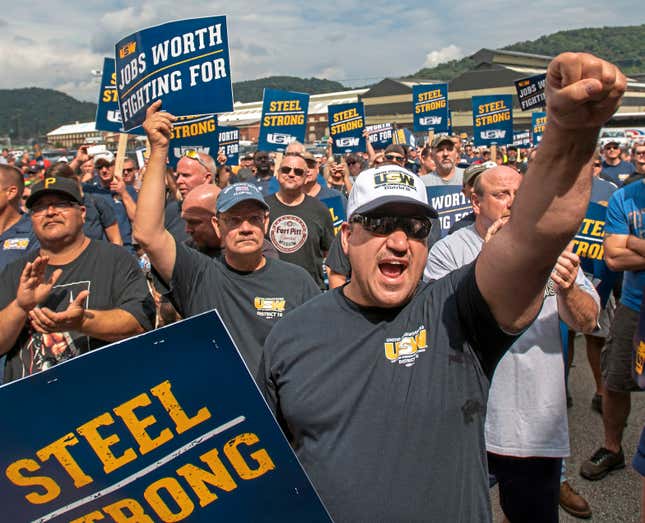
17	241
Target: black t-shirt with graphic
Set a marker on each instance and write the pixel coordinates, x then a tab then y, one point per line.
385	407
301	233
250	303
114	281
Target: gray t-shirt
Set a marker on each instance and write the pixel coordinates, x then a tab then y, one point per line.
250	303
432	179
455	250
385	407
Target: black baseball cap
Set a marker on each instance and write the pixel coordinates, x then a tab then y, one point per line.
55	185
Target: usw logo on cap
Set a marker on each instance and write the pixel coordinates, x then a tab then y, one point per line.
393	178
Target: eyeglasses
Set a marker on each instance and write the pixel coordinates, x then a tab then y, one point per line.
351	162
612	147
394	158
194	155
414	226
61	206
128	170
285	169
597	164
639	153
257	220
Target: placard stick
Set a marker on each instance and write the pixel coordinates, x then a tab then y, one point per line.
493	153
430	136
278	161
120	154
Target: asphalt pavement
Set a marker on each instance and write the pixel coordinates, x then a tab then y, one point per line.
617	497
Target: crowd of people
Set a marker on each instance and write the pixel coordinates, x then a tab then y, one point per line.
404	367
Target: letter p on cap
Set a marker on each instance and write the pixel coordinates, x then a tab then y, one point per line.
49	181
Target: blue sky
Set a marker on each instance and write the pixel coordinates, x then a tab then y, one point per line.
58	45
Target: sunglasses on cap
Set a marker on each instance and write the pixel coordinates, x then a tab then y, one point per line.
193	154
298	171
416	227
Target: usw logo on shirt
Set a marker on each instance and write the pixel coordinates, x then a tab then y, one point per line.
406	349
270	308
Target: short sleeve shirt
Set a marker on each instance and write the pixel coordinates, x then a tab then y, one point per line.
17	241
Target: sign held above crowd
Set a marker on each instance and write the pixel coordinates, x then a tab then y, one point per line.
284	119
493	119
185	63
530	91
199	133
430	107
346	124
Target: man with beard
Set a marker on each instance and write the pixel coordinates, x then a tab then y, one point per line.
445	155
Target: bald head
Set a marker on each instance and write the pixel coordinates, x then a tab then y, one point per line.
202	197
11	178
295	148
493	195
198	211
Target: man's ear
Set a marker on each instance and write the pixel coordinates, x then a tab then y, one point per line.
474	198
215	225
345	232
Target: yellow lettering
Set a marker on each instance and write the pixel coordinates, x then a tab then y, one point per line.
135	511
14	473
89	518
101	446
197	477
598	228
172	486
58	449
175	411
138	426
261	457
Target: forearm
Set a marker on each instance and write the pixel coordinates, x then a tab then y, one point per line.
636	244
149	215
578	309
110	325
12	320
113	234
129	204
624	259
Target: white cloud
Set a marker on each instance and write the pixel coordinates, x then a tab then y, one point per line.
434	58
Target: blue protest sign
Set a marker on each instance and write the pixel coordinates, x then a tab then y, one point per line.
229	141
530	91
450	203
493	119
284	119
538	121
185	63
430	107
449	121
193	132
166	426
588	246
337	211
346	123
404	137
108	115
380	135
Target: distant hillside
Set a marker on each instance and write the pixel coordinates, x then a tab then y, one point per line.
624	46
251	91
33	112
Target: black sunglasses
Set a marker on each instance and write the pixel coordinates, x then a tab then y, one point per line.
414	226
394	158
285	169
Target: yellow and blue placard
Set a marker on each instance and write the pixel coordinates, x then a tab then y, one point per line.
380	135
108	115
185	63
530	91
166	426
198	133
493	119
588	245
229	141
284	119
346	124
450	203
538	121
336	210
430	107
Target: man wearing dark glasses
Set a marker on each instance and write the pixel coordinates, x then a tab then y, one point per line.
614	168
381	385
300	227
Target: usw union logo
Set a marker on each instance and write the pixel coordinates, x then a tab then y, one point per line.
393	178
406	349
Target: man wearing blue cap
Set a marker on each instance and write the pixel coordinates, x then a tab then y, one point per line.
249	291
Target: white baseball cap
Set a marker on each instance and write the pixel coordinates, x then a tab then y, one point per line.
393	188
